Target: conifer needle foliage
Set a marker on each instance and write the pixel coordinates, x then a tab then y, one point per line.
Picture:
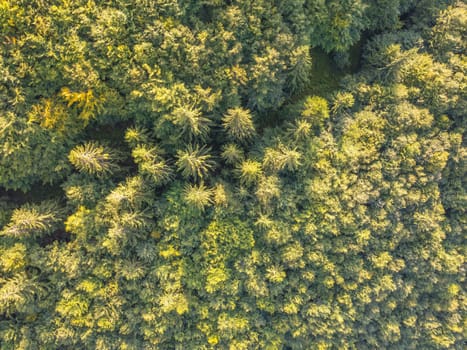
92	158
239	175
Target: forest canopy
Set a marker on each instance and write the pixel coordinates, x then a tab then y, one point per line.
205	174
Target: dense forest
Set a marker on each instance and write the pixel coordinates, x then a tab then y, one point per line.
239	174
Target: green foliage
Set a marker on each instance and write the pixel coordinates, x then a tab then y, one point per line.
268	189
449	30
337	24
249	172
301	68
151	164
334	219
198	196
238	124
315	109
194	162
31	221
17	294
30	154
13	258
92	158
281	158
232	154
190	122
85	101
135	136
